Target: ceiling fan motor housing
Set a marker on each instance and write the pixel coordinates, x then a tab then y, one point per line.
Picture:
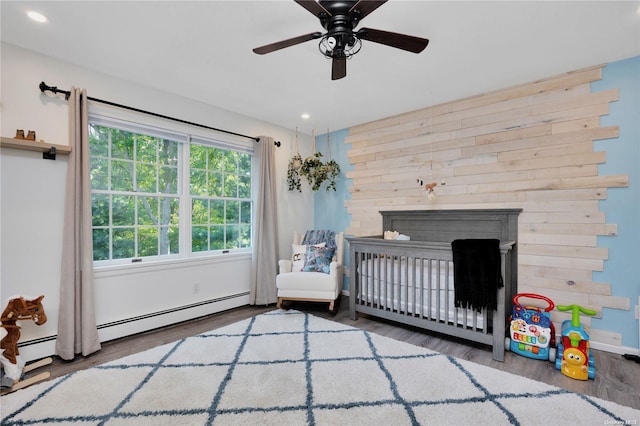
340	24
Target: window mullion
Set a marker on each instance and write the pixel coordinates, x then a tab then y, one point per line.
184	154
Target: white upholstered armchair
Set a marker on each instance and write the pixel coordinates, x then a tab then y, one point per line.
313	273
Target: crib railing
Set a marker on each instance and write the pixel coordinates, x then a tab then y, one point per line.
417	286
411	282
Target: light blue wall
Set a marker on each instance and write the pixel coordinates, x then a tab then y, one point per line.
329	209
622	205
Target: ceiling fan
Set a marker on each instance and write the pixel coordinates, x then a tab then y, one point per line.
340	42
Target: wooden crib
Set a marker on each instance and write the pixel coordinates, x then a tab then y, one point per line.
411	282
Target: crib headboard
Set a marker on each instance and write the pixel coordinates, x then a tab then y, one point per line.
448	225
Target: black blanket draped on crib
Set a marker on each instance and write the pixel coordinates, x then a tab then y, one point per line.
477	273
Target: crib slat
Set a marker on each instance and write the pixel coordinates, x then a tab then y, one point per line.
419	270
430	288
404	290
446	296
377	298
397	284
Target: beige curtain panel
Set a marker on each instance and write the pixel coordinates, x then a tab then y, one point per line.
265	233
77	331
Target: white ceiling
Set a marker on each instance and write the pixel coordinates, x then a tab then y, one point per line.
202	50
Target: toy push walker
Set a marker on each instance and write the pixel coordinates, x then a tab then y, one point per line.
531	332
575	358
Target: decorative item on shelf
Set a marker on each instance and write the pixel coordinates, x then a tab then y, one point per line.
293	171
31	135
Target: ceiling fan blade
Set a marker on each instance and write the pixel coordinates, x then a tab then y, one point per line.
286	43
365	7
313	7
399	41
339	67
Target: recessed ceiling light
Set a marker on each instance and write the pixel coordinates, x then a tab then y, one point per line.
38	17
305	116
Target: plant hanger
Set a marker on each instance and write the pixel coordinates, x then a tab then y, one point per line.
293	170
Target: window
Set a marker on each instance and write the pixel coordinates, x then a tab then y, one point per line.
139	206
220	186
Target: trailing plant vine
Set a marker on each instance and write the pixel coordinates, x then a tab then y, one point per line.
333	171
314	170
293	173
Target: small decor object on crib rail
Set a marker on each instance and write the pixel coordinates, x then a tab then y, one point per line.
531	331
391	235
19	308
575	357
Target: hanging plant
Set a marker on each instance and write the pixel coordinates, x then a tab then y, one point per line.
293	173
331	167
333	171
314	170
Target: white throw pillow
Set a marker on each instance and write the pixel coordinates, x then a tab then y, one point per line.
297	258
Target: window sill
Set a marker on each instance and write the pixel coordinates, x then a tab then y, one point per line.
161	265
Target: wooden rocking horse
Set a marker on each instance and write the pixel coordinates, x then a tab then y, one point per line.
13	366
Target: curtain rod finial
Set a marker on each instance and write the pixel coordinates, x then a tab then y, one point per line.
45	87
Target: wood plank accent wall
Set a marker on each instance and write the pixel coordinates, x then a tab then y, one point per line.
528	146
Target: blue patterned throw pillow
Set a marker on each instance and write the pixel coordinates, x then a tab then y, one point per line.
318	259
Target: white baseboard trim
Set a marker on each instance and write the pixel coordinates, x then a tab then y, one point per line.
44	347
606	347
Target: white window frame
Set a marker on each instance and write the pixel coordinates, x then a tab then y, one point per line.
184	139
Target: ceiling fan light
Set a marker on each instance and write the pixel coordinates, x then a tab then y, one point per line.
327	46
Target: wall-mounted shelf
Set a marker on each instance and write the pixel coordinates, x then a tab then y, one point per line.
49	150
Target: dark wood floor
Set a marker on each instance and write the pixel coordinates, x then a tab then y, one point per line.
617	379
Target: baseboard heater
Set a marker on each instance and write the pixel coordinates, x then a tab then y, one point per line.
141	317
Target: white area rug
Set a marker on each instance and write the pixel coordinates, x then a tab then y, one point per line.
291	368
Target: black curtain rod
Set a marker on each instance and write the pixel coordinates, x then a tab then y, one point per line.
44	88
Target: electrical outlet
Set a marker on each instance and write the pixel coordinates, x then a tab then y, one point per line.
637	312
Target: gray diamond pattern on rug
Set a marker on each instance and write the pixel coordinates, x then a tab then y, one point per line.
291	368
